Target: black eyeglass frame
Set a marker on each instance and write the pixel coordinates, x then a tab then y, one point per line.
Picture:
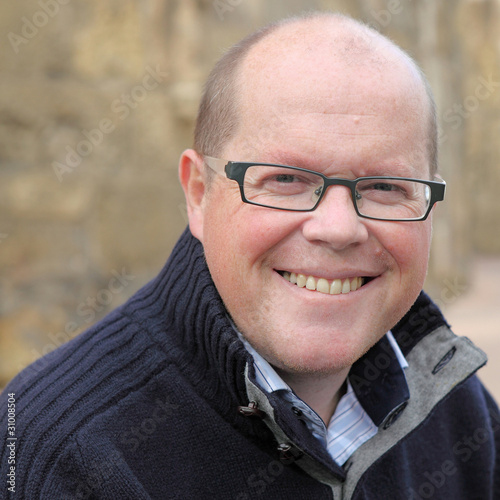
236	171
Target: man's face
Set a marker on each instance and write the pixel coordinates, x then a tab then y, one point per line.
342	122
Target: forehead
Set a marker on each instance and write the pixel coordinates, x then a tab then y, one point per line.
317	90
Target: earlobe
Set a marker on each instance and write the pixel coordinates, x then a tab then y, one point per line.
192	179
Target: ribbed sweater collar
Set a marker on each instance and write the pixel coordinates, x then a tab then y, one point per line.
184	314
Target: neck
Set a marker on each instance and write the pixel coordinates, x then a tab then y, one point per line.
321	392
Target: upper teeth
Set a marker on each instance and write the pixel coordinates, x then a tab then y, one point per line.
335	287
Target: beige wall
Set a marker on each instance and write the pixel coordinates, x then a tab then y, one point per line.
97	100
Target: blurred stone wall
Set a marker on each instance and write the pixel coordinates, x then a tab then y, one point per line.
97	101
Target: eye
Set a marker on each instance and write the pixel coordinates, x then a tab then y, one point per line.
383	186
395	191
285	178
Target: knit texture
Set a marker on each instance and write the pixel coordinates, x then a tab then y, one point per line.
143	405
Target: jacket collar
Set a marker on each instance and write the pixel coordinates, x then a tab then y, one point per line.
184	314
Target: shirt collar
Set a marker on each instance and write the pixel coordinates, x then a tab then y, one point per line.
270	381
265	374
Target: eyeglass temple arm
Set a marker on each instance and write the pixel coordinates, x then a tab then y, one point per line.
216	164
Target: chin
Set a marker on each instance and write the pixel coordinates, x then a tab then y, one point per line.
318	361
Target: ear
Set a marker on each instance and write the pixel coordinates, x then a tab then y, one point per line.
192	177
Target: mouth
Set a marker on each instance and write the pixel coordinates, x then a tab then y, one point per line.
322	285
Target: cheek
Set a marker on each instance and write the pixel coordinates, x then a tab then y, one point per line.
249	232
409	246
238	236
263	231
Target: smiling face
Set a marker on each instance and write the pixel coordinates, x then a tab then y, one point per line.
314	110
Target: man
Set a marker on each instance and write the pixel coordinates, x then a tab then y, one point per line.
286	350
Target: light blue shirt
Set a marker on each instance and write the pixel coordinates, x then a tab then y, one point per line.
349	427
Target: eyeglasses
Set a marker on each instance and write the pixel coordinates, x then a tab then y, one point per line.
300	190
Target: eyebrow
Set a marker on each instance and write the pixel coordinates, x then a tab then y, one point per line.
291	160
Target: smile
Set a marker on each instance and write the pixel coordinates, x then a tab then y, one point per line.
322	285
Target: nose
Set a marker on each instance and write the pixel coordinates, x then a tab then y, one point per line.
335	221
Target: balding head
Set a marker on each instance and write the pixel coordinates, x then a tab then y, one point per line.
327	41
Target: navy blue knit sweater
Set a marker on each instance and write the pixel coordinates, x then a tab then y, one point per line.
144	405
